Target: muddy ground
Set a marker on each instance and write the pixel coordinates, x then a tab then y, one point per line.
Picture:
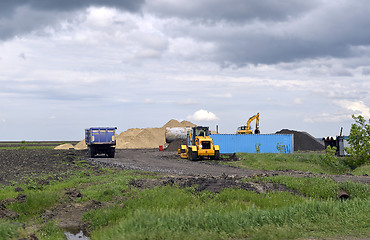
170	163
21	165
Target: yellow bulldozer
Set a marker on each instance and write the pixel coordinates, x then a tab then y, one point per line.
199	145
247	128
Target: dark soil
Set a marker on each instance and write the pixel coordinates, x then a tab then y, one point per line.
210	183
68	215
303	141
167	162
175	145
20	165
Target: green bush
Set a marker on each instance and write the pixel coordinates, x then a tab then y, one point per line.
359	141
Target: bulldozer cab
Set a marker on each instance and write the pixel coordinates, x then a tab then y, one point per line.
197	132
201	131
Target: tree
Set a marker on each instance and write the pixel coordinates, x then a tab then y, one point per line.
359	141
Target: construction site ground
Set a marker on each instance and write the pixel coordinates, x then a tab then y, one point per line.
19	165
42	166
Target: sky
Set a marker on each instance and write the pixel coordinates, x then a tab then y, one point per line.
74	64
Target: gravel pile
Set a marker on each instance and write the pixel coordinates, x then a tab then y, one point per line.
303	141
175	145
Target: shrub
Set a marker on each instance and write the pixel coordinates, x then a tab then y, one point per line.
359	141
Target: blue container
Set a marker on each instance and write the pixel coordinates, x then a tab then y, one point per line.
252	143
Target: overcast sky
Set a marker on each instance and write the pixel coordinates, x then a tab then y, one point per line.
72	64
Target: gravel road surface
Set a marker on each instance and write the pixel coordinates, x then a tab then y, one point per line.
169	162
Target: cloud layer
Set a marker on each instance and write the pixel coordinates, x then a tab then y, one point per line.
301	64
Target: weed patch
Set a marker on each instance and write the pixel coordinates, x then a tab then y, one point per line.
308	162
8	230
171	213
321	188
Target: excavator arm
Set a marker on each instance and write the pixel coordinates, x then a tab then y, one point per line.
257	130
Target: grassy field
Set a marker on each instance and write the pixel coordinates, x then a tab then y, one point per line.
310	209
307	162
33	144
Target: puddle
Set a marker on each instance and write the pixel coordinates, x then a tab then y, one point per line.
77	236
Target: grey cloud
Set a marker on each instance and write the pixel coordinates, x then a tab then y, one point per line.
272	49
230	10
22	56
366	71
9	6
327	31
20	17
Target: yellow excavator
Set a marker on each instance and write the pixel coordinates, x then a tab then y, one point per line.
199	145
247	129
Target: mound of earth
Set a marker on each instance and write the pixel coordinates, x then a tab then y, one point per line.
175	145
303	141
210	183
138	138
175	123
81	145
65	146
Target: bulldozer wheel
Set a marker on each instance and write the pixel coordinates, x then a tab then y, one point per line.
189	154
217	155
192	155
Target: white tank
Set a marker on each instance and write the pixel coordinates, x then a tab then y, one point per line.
176	133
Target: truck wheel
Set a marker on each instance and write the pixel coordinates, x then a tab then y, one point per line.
111	153
90	152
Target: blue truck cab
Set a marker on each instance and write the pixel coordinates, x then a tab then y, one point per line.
101	140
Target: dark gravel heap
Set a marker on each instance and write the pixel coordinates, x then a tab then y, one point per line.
175	145
303	141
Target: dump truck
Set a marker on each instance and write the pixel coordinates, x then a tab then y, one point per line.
101	140
246	129
199	145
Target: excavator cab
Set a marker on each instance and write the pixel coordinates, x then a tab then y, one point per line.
246	129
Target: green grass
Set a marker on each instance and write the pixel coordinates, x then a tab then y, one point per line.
28	147
8	230
50	231
313	211
171	213
106	187
307	162
362	170
320	188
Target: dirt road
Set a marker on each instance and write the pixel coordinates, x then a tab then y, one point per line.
170	163
18	165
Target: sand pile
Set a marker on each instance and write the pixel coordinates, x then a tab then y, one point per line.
303	141
175	123
134	138
65	146
81	145
147	137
